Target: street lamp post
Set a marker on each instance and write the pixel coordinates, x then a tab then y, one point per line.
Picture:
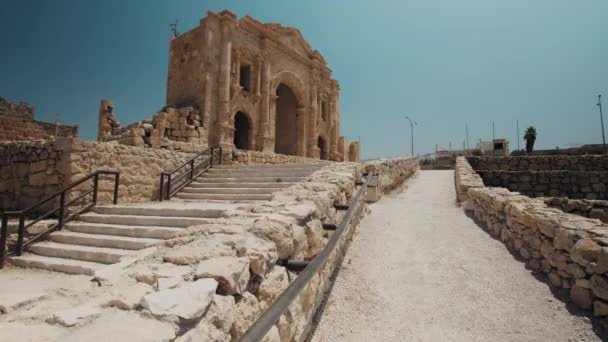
412	123
599	104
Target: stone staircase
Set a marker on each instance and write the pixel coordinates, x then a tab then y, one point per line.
245	183
107	233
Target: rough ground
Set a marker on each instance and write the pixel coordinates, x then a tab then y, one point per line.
419	269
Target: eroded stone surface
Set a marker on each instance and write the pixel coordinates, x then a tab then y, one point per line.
187	302
231	273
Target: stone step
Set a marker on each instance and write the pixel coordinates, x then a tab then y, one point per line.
158	211
242	185
255	174
100	255
152	232
69	266
223	197
98	240
266	170
139	220
250	180
220	190
270	166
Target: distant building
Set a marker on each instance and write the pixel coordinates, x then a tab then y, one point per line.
497	147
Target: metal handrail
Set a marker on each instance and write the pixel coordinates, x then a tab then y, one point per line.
61	210
261	327
189	174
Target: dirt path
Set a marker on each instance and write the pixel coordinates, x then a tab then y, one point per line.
419	269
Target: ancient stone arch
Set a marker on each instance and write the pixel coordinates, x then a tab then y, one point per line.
243	131
294	83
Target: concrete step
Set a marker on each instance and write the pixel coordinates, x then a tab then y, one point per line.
265	170
100	255
139	220
98	240
69	266
270	166
158	211
152	232
250	180
255	174
223	197
220	190
242	185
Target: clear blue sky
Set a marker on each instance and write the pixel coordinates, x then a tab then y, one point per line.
441	62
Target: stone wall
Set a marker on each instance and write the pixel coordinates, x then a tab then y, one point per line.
570	250
541	163
236	157
139	168
30	171
390	174
587	208
17	124
573	184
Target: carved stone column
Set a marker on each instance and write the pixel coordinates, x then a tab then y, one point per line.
265	138
312	124
224	88
301	131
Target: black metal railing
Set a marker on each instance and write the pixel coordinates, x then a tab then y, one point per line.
260	327
172	182
61	212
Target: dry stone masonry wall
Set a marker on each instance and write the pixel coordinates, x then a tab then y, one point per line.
575	177
30	171
17	124
572	251
587	208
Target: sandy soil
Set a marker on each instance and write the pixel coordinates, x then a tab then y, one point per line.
419	269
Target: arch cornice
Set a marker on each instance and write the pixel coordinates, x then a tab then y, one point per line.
294	83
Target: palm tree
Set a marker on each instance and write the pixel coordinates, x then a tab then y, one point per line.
530	138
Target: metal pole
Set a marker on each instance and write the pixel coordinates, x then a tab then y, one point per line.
412	129
599	104
518	135
493	138
116	183
3	237
466	127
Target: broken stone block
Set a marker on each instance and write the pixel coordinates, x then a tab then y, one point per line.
599	286
274	283
232	273
581	297
128	298
196	251
187	302
215	326
75	316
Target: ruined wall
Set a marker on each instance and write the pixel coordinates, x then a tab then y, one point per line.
573	184
390	174
139	168
236	157
587	208
540	163
30	171
570	250
564	176
17	124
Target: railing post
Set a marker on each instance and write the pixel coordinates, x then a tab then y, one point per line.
3	236
95	187
168	187
192	169
162	185
61	211
21	233
116	182
211	157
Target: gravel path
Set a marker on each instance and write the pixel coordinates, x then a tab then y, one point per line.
419	269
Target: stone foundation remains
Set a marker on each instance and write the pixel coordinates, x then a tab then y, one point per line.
17	124
575	177
587	208
572	251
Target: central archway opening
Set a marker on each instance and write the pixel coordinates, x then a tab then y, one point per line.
242	131
285	138
322	148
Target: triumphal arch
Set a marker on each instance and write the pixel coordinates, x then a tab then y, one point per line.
257	87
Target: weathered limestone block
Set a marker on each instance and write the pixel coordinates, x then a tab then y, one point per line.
585	251
196	251
247	311
581	297
128	298
75	316
599	286
215	326
278	230
187	302
274	283
231	273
